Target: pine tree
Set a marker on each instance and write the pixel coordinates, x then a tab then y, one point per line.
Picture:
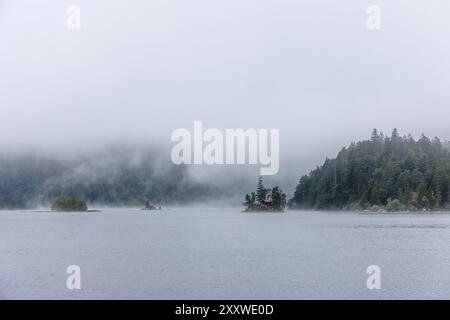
261	192
249	200
375	137
278	199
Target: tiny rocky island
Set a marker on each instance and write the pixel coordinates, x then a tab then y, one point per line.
273	200
150	206
69	204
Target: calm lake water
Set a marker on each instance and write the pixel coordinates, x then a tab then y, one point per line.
223	254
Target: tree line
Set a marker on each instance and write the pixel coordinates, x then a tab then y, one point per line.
383	173
113	178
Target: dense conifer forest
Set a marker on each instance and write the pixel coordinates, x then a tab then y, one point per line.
384	173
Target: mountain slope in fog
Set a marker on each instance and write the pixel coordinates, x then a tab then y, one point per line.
115	177
397	173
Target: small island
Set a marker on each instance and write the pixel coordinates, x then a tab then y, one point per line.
272	200
69	204
149	206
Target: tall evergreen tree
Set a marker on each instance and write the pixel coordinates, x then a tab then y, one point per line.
278	199
261	191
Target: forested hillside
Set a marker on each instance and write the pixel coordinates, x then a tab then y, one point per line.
394	173
115	177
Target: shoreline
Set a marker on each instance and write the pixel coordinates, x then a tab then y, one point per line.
240	209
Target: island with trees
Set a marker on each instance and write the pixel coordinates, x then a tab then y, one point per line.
263	199
150	206
69	204
396	173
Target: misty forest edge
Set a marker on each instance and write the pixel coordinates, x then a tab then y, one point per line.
396	173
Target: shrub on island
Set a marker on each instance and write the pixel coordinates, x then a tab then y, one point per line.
69	204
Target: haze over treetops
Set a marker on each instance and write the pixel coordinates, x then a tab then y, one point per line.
396	173
393	173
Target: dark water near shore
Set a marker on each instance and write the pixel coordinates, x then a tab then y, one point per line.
223	253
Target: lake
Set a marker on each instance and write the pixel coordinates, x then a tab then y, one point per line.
203	253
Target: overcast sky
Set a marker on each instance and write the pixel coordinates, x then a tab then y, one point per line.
139	69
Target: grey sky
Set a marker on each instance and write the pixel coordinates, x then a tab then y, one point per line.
139	69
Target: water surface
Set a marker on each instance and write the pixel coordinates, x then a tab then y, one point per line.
223	254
